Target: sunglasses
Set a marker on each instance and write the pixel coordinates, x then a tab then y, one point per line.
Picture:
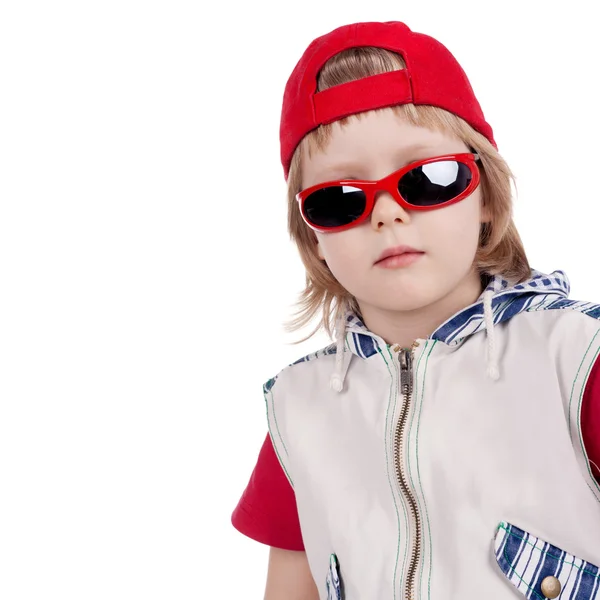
422	185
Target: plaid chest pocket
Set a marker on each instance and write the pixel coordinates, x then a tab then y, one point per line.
333	582
540	570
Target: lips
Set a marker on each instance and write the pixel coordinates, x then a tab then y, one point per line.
397	251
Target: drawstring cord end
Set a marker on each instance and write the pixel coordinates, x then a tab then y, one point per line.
493	372
335	383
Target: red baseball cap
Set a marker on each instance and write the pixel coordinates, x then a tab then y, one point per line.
432	76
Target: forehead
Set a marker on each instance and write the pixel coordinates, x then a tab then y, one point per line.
377	141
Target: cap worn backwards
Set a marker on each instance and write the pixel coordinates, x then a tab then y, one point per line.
432	76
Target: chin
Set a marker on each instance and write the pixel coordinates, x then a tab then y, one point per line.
397	302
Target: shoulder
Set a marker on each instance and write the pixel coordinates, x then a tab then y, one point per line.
313	358
566	305
567	328
325	351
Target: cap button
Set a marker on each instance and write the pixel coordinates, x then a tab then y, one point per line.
551	587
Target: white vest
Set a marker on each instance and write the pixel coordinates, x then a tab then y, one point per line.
432	480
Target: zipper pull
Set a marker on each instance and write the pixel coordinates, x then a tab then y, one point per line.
406	361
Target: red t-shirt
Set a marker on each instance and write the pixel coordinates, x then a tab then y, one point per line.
267	509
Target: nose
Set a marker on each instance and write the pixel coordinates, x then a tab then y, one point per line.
387	211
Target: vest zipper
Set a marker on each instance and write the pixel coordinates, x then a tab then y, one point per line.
405	358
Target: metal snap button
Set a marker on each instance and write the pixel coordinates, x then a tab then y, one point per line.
551	587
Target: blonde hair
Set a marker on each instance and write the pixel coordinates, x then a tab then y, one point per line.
500	248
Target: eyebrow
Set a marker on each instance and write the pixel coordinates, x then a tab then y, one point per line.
343	169
409	151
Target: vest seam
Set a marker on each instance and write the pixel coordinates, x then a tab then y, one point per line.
387	422
419	471
577	421
274	413
577	377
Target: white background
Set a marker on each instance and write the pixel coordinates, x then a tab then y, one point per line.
145	267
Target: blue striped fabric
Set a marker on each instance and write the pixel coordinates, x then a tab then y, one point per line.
362	344
526	560
540	292
269	384
588	308
359	339
333	582
322	352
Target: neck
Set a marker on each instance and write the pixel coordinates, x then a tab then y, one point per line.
403	327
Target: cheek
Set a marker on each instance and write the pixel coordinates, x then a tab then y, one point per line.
455	229
340	250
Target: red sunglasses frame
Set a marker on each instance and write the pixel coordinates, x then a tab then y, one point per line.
390	184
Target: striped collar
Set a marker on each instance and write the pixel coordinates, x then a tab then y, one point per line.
507	302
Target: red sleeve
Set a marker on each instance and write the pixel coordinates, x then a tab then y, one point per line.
590	419
267	510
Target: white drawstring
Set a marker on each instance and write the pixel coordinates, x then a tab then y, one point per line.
336	382
493	371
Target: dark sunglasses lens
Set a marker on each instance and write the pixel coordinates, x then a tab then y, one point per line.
435	183
335	206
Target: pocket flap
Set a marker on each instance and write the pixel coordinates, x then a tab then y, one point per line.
540	570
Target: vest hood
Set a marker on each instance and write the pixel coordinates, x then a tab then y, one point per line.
499	302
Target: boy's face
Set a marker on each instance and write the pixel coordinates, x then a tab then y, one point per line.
370	148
